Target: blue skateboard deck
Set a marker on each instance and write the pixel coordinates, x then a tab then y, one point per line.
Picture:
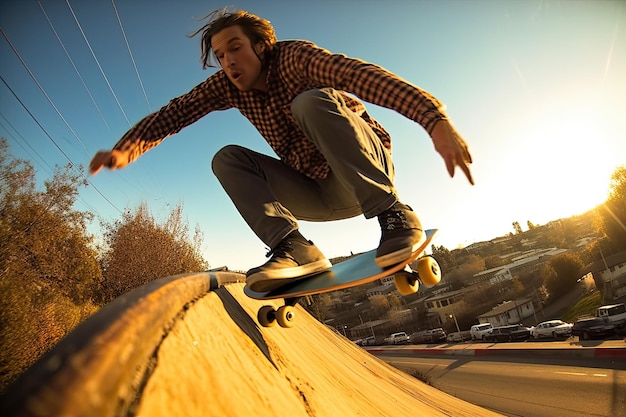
358	270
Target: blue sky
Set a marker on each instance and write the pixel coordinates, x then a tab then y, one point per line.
537	88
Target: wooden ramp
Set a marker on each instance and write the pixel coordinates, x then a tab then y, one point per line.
190	345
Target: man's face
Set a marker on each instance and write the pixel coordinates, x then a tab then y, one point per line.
238	58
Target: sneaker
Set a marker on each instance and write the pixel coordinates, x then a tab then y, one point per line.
292	259
402	234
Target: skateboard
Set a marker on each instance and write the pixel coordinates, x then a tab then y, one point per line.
357	270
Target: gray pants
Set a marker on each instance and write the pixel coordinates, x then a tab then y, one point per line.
272	196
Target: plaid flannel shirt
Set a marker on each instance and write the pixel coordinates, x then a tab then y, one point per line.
293	67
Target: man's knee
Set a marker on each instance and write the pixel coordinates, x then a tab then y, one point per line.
312	101
226	157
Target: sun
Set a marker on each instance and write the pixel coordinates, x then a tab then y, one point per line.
565	159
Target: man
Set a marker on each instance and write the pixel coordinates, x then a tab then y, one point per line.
335	160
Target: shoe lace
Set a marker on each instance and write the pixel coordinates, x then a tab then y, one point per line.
393	219
282	250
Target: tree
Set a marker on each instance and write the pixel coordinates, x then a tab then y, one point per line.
517	228
516	288
444	257
379	305
140	250
494	261
613	212
561	273
318	305
473	264
49	274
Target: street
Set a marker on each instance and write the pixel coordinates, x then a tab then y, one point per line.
570	388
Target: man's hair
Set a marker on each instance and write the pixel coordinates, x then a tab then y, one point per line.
255	28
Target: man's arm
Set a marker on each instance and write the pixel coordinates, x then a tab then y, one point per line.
167	121
378	86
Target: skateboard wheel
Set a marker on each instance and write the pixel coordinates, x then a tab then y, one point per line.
266	316
406	283
286	316
428	271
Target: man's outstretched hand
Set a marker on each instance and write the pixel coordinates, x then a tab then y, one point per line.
452	148
108	159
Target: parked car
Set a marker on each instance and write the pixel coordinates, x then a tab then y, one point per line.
614	313
438	335
479	331
368	341
592	328
428	336
510	333
459	336
398	338
551	328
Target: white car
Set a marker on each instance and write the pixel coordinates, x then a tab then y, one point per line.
552	329
480	331
400	338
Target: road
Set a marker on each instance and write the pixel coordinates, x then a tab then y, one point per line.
570	388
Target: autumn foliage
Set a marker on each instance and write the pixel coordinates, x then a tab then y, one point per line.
53	275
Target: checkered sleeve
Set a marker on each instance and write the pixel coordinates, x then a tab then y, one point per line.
181	111
369	82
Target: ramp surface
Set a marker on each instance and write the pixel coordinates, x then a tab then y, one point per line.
182	347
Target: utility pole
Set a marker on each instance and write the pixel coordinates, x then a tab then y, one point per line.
452	316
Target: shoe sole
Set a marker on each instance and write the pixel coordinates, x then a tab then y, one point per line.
271	279
400	255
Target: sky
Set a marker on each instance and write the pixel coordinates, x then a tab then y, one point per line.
536	88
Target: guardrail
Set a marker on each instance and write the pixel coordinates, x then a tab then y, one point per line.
616	350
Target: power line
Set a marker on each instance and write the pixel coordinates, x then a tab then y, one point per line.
50	101
100	67
98	63
25	142
73	65
42	89
72	164
131	55
132	58
50	170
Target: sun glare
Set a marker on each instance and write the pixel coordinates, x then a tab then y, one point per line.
567	161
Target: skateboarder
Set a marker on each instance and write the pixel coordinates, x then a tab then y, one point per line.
334	160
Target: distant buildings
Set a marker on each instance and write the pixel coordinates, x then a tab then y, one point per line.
610	275
524	263
509	312
441	305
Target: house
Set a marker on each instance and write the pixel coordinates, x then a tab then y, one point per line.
376	328
493	275
526	262
509	312
380	290
610	275
442	306
503	275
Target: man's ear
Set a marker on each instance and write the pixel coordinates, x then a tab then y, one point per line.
260	47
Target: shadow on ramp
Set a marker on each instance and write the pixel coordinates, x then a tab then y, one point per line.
244	321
